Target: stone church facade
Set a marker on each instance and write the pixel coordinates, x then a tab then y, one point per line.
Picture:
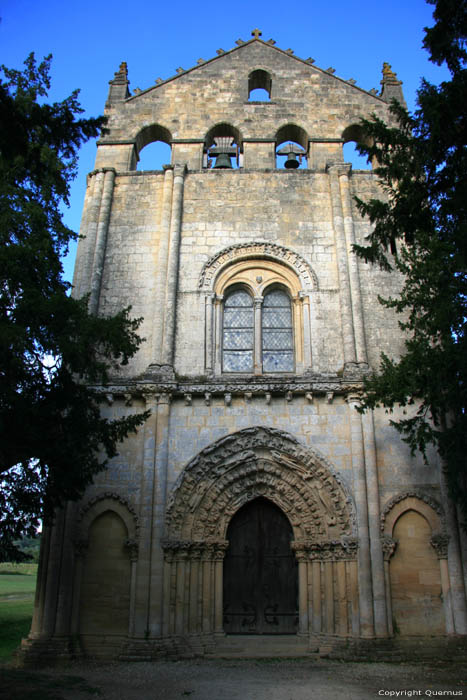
256	500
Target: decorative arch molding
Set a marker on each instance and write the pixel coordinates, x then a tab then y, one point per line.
258	249
253	462
108	501
412	500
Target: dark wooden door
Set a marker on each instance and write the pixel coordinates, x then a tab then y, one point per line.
260	572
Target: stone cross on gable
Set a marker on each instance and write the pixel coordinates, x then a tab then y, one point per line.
256	33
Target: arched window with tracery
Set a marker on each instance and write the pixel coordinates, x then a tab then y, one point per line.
238	332
277	332
258	320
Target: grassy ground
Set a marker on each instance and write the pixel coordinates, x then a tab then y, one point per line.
17	586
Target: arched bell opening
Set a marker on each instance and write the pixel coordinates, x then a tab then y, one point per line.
353	136
259	86
260	581
223	148
291	147
153	148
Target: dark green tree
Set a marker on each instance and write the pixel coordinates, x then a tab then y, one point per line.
53	439
420	230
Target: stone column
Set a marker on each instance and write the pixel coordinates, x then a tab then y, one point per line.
156	584
101	239
354	277
39	598
376	553
218	588
64	602
302	592
348	337
306	317
316	586
209	330
80	549
258	355
388	546
456	574
364	559
53	576
218	334
172	267
161	271
440	544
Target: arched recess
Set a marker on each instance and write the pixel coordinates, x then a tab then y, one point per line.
104	607
223	139
159	136
351	136
417	578
106	551
260	462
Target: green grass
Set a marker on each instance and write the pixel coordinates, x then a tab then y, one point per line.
16	606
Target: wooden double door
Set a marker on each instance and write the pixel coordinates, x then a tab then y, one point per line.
260	572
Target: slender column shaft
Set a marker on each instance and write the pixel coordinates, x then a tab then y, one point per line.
162	261
53	576
218	335
364	560
101	240
208	302
172	267
218	629
376	552
302	597
64	603
316	621
306	331
258	354
159	502
348	338
445	588
456	574
39	598
354	277
342	597
387	580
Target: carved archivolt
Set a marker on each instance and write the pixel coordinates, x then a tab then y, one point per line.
412	500
100	504
260	249
256	462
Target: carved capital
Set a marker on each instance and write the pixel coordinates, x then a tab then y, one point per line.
132	548
388	546
440	544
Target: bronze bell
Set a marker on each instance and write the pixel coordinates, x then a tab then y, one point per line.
223	161
292	161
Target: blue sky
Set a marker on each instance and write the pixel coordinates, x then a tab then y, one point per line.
90	39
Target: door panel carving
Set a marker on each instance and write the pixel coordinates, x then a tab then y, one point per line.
260	572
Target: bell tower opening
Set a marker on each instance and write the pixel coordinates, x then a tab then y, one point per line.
260	572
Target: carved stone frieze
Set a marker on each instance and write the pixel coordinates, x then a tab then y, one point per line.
256	462
258	249
205	550
344	549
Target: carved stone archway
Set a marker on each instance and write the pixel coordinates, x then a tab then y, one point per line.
259	462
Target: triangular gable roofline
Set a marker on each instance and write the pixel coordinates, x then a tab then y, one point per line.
238	48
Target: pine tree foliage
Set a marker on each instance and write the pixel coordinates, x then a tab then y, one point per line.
420	230
51	348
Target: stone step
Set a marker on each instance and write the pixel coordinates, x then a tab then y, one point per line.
263	646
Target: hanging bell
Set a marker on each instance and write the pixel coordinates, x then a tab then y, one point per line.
223	161
292	161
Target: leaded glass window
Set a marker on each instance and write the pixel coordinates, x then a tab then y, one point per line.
238	332
277	335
